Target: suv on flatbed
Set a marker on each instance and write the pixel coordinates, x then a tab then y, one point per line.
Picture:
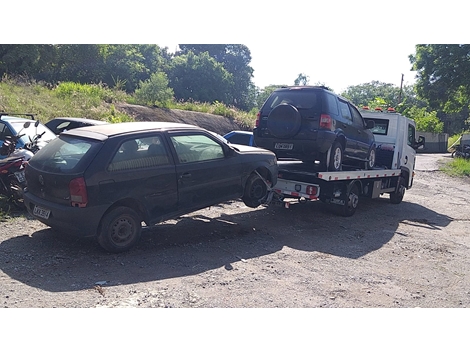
105	180
311	123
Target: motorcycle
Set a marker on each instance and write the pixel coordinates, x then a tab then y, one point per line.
12	179
461	151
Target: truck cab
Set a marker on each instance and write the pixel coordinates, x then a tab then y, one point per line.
396	143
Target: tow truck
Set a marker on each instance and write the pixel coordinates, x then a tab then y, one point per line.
393	173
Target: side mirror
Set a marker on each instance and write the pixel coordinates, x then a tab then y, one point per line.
420	143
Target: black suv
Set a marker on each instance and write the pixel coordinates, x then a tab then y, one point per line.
105	180
313	124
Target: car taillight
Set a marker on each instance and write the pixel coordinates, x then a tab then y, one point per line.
257	119
78	193
325	121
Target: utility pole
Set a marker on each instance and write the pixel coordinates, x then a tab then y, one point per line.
401	89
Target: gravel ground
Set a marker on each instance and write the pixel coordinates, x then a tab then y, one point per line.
414	254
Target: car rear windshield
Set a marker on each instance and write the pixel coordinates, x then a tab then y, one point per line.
301	99
66	154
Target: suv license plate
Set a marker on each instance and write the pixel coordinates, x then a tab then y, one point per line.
284	146
41	212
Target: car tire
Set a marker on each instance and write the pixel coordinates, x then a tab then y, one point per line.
351	201
370	163
397	197
284	121
336	157
120	230
255	191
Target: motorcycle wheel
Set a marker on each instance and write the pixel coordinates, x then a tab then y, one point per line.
16	195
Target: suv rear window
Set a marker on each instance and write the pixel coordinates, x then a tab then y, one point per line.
301	99
66	154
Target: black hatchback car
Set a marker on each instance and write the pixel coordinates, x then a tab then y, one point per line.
311	123
106	180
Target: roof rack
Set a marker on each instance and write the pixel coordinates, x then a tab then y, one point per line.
15	114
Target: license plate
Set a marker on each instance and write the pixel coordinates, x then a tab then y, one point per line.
284	146
20	176
41	212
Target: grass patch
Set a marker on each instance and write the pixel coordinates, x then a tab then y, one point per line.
94	101
457	167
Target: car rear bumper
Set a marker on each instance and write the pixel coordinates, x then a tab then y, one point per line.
82	222
303	147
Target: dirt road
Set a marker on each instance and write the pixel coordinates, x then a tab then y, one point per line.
415	254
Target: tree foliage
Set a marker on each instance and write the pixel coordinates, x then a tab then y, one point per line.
443	81
154	91
301	79
443	75
236	59
200	77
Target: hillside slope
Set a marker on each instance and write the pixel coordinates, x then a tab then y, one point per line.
215	123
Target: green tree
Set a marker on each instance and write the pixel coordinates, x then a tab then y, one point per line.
155	90
301	79
32	60
236	60
426	121
200	78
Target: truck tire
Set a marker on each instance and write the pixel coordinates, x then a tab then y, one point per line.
120	230
284	121
397	197
351	202
255	191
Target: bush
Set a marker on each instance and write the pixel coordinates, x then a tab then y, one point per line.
154	91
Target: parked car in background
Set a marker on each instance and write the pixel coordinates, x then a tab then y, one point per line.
61	124
11	125
311	123
105	180
240	137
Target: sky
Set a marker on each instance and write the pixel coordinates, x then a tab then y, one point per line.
339	44
337	67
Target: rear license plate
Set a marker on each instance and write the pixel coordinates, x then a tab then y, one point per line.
41	212
284	146
20	176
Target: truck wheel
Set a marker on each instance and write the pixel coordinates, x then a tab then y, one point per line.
284	121
352	201
120	230
370	163
255	191
397	197
336	157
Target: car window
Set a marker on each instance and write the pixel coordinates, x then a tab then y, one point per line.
331	107
411	135
4	131
380	126
356	117
196	147
140	153
65	154
240	138
345	112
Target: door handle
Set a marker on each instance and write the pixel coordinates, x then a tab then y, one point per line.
185	175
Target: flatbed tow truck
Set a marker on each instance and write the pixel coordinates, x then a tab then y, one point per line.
393	172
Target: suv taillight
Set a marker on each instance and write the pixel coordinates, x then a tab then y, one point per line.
257	119
78	193
325	121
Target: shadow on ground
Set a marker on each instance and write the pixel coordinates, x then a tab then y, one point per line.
197	243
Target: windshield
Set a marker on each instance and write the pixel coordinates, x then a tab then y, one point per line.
31	131
66	154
